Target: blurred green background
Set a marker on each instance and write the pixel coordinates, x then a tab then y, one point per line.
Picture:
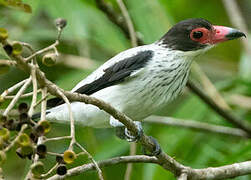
90	39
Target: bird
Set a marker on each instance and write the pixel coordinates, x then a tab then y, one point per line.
143	79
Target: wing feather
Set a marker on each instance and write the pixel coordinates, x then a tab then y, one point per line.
112	75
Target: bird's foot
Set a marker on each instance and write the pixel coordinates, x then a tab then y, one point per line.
157	149
123	133
129	135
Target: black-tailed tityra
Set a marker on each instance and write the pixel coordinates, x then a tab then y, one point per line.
143	79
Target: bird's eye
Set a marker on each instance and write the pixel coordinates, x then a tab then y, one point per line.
197	34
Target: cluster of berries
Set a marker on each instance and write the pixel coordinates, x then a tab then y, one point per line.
26	141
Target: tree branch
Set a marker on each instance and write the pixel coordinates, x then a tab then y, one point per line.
115	18
117	160
225	114
209	87
199	126
222	172
129	23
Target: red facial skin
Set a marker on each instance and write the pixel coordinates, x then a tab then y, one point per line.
215	35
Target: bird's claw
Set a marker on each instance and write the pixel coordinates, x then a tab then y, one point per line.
157	149
123	133
130	137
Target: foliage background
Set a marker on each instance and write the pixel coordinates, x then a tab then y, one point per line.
90	34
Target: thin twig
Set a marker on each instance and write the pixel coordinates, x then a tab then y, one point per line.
56	138
100	175
49	48
24	95
41	100
128	22
34	96
13	88
113	161
73	139
115	18
50	171
196	125
81	153
129	166
240	100
15	99
44	104
54	154
27	45
8	62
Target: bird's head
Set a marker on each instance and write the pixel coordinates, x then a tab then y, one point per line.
197	34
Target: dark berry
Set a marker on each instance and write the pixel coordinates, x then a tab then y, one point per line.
61	170
23	107
41	149
8	49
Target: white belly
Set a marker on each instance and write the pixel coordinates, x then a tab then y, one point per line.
135	105
137	99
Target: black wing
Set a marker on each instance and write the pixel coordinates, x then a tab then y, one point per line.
115	74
